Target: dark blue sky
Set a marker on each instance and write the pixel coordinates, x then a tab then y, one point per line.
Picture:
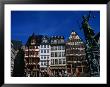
24	23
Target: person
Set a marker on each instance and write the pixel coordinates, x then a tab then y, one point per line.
77	73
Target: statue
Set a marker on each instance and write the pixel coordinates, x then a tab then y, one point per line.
92	47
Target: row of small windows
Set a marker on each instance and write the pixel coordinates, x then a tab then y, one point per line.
43	63
57	54
75	51
44	46
74	48
74	39
58	61
75	58
76	43
31	60
44	57
31	53
57	41
57	47
79	64
32	47
44	51
45	41
71	45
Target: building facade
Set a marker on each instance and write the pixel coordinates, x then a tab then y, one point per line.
58	59
32	56
44	54
75	54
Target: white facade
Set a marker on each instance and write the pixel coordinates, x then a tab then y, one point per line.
58	58
44	55
58	55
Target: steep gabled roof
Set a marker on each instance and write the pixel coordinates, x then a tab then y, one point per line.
38	39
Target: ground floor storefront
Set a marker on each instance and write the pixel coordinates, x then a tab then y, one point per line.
58	70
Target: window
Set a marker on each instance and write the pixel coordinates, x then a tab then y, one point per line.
52	47
55	47
75	59
33	41
63	54
36	53
64	62
45	63
48	51
56	61
41	46
55	41
45	41
59	41
44	46
53	62
42	63
60	62
30	47
44	51
51	41
47	46
29	60
78	64
59	54
52	54
44	57
41	51
63	47
41	57
55	54
58	47
62	41
31	53
47	57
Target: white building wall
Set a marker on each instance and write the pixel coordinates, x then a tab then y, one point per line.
44	55
61	60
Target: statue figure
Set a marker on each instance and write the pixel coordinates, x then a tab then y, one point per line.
92	48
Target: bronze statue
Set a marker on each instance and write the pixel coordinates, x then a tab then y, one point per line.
92	47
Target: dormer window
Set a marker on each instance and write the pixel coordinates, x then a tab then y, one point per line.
62	41
44	41
33	42
52	41
55	41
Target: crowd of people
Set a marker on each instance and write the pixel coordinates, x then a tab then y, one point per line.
58	74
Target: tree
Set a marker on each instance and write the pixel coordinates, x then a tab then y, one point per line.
19	64
92	47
